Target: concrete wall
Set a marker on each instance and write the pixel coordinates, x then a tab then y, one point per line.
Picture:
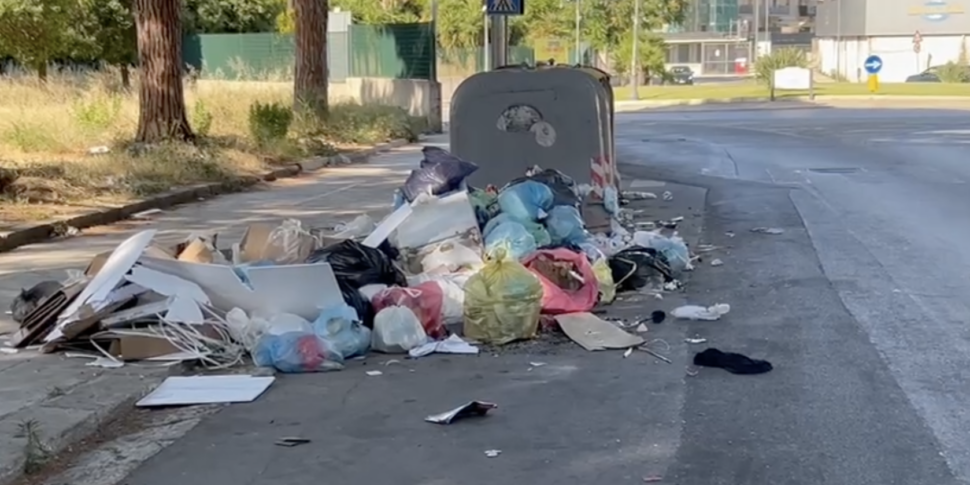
845	18
418	97
899	60
892	17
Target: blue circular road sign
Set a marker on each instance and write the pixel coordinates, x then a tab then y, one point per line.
873	64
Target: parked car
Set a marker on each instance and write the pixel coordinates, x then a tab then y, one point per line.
681	75
933	74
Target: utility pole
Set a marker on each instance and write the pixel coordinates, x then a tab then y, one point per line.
635	61
579	18
757	27
838	38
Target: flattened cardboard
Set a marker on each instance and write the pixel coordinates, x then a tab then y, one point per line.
301	289
256	245
196	251
593	333
129	346
39	323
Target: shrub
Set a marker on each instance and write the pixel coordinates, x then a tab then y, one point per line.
96	113
369	123
269	122
201	119
952	72
779	59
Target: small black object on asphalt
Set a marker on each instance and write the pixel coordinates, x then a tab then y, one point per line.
658	316
291	441
732	362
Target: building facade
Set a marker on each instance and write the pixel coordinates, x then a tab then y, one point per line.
849	31
717	36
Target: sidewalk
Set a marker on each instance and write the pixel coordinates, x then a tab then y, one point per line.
68	399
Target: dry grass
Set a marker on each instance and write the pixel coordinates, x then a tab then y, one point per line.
53	139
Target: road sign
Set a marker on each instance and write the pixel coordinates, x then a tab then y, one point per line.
506	7
873	64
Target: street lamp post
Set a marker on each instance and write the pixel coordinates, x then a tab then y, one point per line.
579	18
486	63
635	61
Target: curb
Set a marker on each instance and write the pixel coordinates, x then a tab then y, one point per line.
630	105
62	431
51	230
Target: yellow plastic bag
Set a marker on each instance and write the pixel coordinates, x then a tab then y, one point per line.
604	278
502	301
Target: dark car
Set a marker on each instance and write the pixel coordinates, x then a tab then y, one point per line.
932	75
681	75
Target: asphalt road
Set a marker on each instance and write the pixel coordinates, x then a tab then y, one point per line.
861	305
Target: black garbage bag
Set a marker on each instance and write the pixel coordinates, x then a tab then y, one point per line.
29	299
440	173
633	268
354	298
564	188
356	265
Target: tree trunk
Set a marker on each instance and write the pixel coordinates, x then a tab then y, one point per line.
310	76
161	98
42	71
125	77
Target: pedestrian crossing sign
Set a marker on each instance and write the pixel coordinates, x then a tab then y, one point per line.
506	7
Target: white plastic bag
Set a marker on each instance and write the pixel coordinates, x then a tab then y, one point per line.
370	291
397	330
359	227
450	257
697	312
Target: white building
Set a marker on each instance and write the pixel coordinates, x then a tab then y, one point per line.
849	31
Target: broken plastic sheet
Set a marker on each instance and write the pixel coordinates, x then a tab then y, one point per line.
96	295
184	391
184	297
301	289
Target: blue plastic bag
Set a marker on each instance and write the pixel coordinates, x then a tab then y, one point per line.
341	326
538	231
565	225
527	201
297	352
512	236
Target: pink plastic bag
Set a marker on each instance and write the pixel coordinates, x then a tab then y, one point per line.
425	300
568	281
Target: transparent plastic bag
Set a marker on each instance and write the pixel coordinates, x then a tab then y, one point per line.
538	231
565	225
673	248
290	243
425	300
297	352
511	237
397	330
528	200
502	301
342	326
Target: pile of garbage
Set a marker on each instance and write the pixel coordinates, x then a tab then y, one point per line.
451	267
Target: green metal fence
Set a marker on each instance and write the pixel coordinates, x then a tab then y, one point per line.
403	51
